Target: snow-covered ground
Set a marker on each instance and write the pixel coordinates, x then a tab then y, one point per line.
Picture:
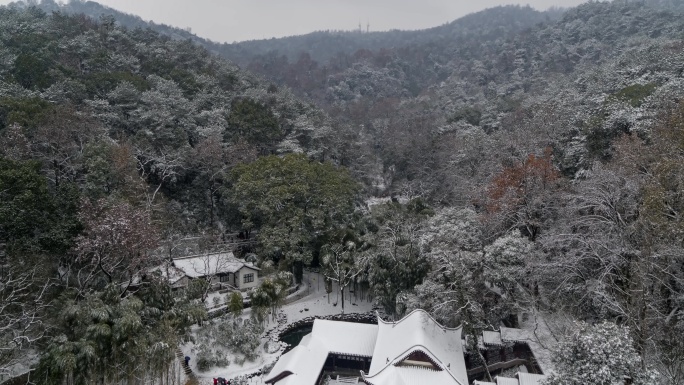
314	303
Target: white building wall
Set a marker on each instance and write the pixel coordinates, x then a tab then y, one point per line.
240	276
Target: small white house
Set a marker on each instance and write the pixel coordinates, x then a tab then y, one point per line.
218	268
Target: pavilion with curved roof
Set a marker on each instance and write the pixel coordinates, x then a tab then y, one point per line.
413	350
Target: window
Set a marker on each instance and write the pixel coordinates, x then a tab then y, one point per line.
247	278
224	278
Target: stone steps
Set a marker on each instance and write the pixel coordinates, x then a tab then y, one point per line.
186	368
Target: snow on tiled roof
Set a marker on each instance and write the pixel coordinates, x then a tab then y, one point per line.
346	337
419	331
483	383
410	375
530	379
506	381
514	335
306	360
541	353
209	264
491	338
522	379
250	265
169	272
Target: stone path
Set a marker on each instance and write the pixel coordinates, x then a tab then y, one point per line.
186	368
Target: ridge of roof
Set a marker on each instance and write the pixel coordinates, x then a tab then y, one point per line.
403	356
380	320
369	378
418	330
203	255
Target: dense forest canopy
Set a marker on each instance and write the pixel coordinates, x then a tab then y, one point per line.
524	161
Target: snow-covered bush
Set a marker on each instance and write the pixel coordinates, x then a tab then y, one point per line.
505	261
208	358
602	354
217	339
246	339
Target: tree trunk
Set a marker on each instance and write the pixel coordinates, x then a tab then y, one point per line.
298	271
211	206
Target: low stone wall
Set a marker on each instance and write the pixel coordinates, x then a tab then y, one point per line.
294	296
247	303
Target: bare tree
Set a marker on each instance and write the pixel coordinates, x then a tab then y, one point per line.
22	303
115	245
159	167
61	140
342	263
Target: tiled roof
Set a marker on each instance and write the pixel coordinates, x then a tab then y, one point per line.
169	272
530	379
492	338
418	331
210	264
506	381
346	337
306	360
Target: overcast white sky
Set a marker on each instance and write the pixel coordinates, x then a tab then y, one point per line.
237	20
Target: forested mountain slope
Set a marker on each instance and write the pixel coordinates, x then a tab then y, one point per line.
114	143
95	11
325	46
166	98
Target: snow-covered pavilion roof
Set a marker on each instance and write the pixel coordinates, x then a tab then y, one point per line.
398	350
210	264
303	364
349	338
417	332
